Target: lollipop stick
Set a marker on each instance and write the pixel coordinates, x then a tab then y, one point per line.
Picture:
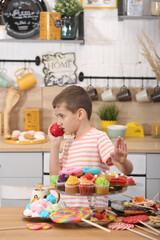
156	196
142	234
95	225
147	230
12	228
145	224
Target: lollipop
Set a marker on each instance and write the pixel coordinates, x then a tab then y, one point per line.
120	226
37	226
135	219
71	214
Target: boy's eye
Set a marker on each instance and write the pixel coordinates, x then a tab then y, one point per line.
61	116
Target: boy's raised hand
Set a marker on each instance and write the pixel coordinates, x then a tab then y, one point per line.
120	151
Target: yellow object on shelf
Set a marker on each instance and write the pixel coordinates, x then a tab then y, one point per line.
134	130
35	141
32	119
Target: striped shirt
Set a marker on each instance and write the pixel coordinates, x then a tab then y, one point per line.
89	150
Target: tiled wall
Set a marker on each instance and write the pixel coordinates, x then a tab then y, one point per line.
111	49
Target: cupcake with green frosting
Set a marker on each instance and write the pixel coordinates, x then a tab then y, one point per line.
101	186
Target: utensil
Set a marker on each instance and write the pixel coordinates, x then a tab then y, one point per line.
12	98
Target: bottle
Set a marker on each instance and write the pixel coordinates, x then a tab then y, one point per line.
155	7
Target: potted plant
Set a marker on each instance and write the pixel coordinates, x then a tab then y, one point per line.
69	9
108	115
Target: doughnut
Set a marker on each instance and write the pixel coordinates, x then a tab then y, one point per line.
120	226
71	214
92	170
72	171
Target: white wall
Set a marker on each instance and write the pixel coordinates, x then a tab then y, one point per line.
111	49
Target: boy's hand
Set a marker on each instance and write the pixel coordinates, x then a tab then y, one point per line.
119	154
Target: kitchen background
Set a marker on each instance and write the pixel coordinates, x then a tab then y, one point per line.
111	49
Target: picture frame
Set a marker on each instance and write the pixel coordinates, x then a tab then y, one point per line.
59	69
99	3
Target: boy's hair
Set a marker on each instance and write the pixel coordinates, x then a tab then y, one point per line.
74	97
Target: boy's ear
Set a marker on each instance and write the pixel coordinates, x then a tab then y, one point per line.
81	113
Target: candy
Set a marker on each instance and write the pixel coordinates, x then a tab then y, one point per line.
135	219
120	226
71	214
37	226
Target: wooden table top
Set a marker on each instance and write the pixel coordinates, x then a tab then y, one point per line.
12	217
148	144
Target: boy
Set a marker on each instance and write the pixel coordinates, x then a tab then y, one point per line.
88	147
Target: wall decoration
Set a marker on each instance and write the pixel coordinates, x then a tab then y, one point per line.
99	3
59	69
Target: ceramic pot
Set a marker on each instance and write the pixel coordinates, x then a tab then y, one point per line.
105	123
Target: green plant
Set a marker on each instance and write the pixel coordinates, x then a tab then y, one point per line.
109	113
68	7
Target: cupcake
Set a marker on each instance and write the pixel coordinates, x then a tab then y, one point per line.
54	179
101	186
86	186
61	182
72	185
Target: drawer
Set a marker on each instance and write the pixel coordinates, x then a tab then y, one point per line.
153	187
139	164
21	165
153	165
21	181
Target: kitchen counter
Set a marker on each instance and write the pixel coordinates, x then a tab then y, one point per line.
12	217
147	144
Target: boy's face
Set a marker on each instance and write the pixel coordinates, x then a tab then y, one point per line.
66	119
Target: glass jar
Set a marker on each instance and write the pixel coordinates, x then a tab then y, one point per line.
155	130
155	7
68	28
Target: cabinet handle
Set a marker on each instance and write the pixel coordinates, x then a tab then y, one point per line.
0	165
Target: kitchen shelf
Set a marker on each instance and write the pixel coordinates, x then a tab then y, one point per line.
78	40
81	42
122	13
125	17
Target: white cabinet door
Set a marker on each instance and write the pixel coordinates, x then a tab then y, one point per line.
21	165
21	169
153	166
139	164
153	187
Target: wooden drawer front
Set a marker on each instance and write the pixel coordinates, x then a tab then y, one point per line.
20	164
153	187
153	165
139	164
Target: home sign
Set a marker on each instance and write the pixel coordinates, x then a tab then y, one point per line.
59	69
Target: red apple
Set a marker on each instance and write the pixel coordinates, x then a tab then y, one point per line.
56	130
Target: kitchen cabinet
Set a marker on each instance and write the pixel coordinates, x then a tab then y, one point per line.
122	12
153	175
20	169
